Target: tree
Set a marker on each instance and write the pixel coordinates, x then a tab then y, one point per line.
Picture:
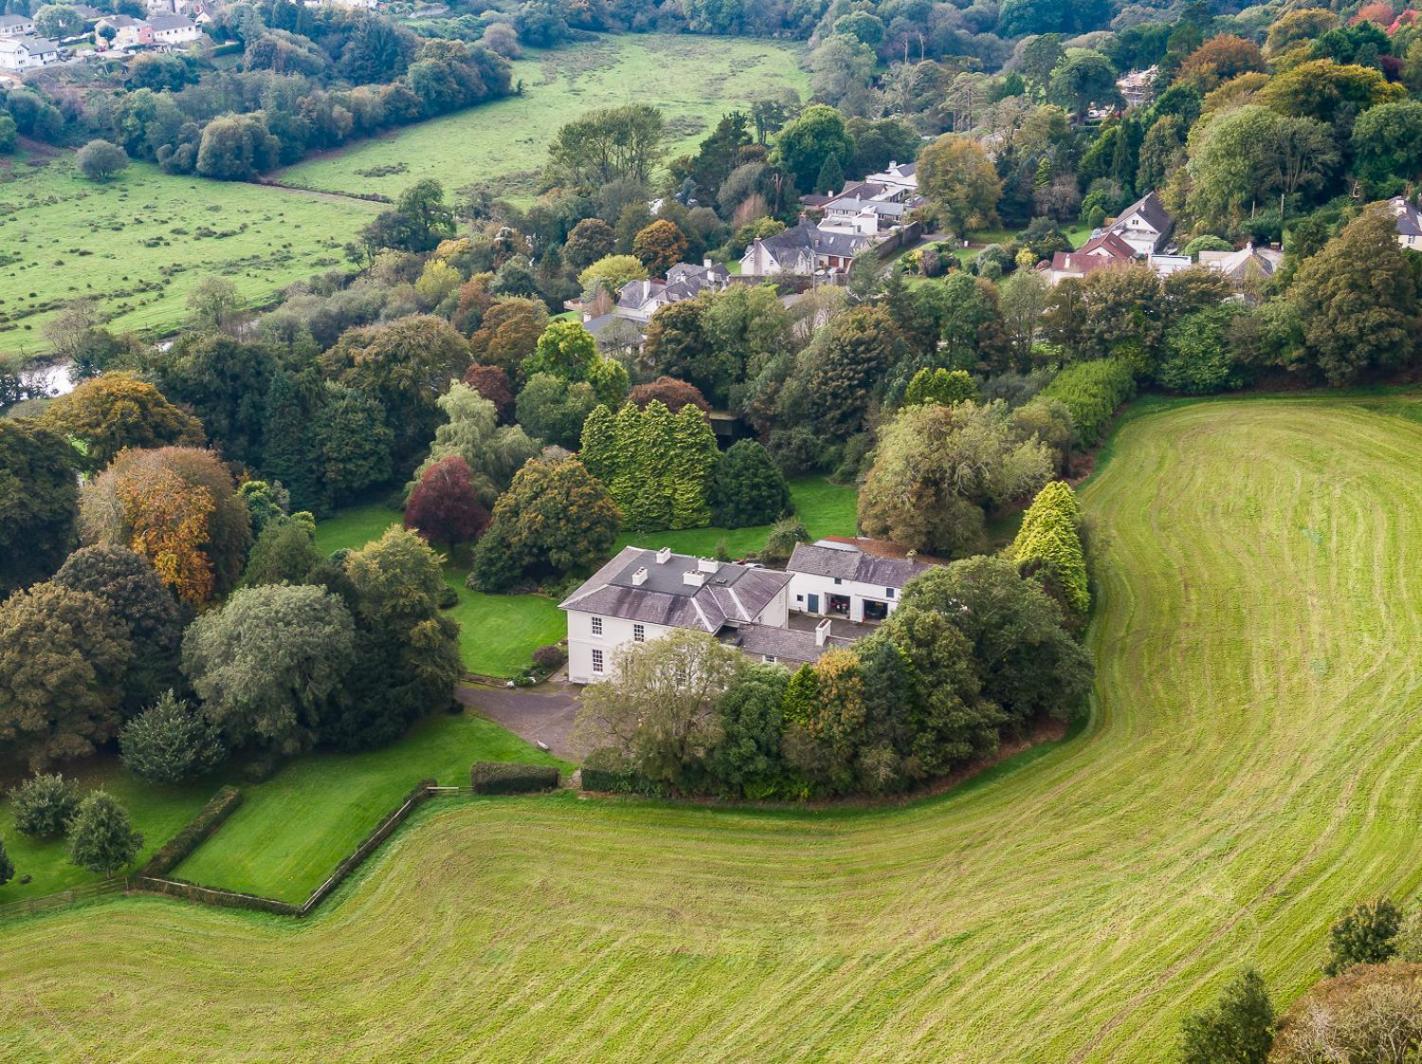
1082	79
671	393
236	148
419	221
170	742
269	662
1238	1029
9	134
591	239
831	176
1366	934
7	866
943	386
846	370
659	246
492	454
1019	18
1387	143
43	805
63	658
1356	321
1048	545
1329	92
747	488
213	303
405	366
133	593
443	507
606	145
224	381
284	553
100	161
565	349
492	383
176	507
612	272
805	143
554	518
960	182
509	332
747	762
58	21
554	410
657	465
937	467
353	443
101	837
1218	60
657	712
1198	357
117	410
38	502
290	453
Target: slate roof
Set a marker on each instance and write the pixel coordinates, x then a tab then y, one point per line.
7	21
807	236
1242	264
851	563
171	22
33	45
1151	210
1409	220
684	281
783	644
733	594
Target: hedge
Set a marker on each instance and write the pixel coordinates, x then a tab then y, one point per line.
497	777
209	818
1049	543
1093	392
419	794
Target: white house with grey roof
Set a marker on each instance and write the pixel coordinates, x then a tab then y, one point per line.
832	578
1144	225
642	595
1409	222
16	26
27	53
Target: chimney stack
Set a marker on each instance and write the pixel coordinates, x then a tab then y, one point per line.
639	577
691	578
664	556
822	631
707	565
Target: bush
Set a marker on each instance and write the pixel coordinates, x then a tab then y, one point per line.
1093	392
603	771
209	818
784	534
101	837
170	742
496	777
448	598
548	658
44	806
7	867
1049	544
1239	1028
99	160
1366	935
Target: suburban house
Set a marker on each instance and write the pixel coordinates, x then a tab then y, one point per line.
27	53
838	577
637	301
173	30
1105	251
1137	88
129	32
16	26
1248	264
803	251
1144	225
787	617
1409	222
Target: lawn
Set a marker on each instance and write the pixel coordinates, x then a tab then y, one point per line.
826	509
265	849
504	144
1250	770
140	243
497	633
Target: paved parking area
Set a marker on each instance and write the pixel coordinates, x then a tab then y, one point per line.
539	714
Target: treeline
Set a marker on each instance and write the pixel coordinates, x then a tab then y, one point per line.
977	651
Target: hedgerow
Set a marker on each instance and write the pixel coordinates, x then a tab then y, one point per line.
1093	392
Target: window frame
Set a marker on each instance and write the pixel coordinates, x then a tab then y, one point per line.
597	626
598	662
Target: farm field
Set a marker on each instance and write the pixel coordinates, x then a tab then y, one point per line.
504	144
1250	770
139	244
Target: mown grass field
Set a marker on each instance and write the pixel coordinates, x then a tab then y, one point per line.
1251	769
140	243
504	144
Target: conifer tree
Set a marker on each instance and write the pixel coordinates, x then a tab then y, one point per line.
289	450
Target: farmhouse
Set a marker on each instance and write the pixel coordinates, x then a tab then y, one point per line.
803	251
16	26
839	578
27	53
1103	252
1409	222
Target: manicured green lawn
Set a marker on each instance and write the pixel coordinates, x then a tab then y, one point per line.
827	510
139	243
1250	770
292	830
692	80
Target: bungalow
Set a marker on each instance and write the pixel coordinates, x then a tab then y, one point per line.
129	32
27	53
803	251
1248	264
841	578
173	30
1107	251
16	26
1144	225
1409	223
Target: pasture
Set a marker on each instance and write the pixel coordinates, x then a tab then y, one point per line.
1251	769
503	145
138	244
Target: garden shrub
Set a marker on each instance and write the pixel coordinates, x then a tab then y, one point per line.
495	777
1093	392
209	818
548	658
44	806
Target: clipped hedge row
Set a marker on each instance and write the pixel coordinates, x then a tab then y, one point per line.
209	818
497	777
1049	543
1093	392
600	772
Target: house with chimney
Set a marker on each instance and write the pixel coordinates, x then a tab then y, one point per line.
1409	222
1145	225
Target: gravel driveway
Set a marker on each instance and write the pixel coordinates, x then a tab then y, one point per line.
539	714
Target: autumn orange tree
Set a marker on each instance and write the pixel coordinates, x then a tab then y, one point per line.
117	410
660	246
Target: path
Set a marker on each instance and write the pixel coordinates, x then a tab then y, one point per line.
539	714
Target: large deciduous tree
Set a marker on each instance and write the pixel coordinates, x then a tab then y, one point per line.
805	143
38	502
117	410
960	182
444	507
611	144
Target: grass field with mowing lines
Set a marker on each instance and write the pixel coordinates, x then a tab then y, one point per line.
1251	769
504	144
140	243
